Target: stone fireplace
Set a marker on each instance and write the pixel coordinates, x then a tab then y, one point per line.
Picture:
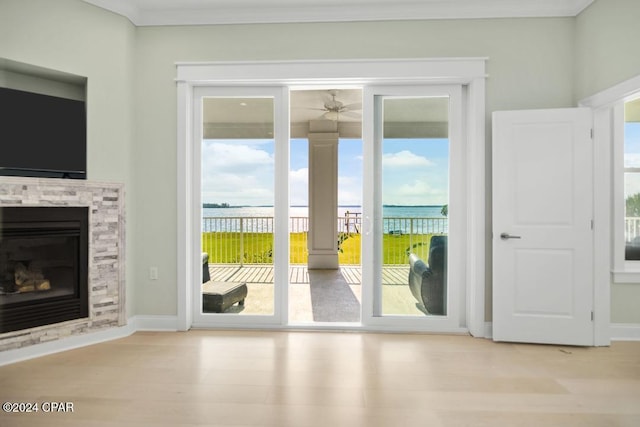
61	259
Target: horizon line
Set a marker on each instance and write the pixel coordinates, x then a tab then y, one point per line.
306	206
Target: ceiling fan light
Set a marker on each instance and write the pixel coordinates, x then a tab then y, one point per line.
331	115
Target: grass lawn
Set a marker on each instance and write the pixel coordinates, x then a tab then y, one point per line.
257	248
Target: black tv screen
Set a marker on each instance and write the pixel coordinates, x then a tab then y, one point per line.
42	135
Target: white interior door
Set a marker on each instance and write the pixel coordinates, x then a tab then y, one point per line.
542	226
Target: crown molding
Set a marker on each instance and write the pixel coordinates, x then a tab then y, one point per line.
212	12
128	9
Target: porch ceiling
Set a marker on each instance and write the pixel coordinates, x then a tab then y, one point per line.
632	111
238	118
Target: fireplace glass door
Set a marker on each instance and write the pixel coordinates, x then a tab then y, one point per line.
43	266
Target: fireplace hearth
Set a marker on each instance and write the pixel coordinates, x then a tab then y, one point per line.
43	266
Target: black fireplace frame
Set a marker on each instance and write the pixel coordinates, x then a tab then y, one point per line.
22	221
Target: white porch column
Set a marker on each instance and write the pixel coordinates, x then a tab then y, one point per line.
323	195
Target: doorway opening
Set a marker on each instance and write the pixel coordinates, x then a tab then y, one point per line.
325	181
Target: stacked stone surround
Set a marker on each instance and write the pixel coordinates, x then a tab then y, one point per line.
106	251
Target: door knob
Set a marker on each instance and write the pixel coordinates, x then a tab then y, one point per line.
507	236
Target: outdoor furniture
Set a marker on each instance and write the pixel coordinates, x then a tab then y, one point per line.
217	297
205	267
428	282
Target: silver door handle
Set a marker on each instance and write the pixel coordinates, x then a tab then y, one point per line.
506	236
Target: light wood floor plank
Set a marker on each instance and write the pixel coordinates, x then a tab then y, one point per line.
309	379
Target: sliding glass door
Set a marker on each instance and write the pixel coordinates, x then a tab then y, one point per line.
243	216
412	227
414	208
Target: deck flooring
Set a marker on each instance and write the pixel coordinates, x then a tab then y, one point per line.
323	295
299	274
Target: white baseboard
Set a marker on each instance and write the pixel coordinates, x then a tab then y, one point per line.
155	323
64	344
625	331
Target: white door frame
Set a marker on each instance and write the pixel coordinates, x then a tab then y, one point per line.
467	72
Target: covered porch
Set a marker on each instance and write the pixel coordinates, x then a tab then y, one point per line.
317	295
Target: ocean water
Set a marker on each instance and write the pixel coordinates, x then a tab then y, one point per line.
426	219
303	211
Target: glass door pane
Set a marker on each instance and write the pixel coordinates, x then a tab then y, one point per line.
238	204
415	201
243	137
414	224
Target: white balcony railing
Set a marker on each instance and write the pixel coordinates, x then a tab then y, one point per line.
240	240
632	229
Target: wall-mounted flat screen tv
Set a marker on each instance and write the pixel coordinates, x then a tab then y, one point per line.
42	135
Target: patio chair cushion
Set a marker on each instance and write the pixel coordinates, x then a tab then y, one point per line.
428	282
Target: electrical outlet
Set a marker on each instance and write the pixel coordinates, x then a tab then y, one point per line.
153	273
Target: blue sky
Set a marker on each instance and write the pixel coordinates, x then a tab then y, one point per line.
632	144
240	172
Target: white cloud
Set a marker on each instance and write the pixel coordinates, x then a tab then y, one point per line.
632	160
416	192
349	191
234	157
349	188
237	173
299	187
404	159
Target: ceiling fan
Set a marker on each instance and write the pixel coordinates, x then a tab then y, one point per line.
334	109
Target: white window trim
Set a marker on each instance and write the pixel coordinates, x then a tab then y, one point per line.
608	107
623	271
609	264
469	72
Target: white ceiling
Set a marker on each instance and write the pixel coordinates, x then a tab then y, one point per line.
202	12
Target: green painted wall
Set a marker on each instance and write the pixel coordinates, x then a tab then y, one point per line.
74	37
607	35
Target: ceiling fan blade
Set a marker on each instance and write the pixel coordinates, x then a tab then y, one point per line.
354	106
351	114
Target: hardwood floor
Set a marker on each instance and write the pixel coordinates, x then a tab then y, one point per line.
308	379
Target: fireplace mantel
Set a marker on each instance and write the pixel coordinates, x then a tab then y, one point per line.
106	281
